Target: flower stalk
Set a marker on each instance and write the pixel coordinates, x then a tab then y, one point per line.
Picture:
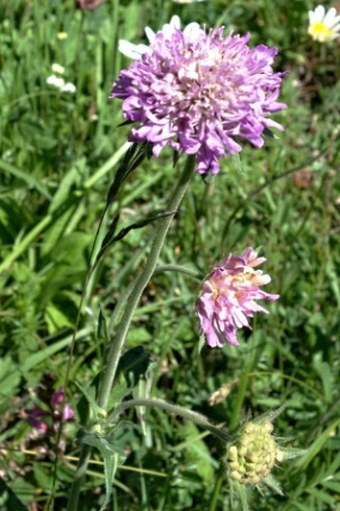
194	417
117	340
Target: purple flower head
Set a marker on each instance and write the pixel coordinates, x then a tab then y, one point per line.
199	92
34	416
228	297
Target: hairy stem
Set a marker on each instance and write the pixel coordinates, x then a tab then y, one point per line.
117	341
195	417
131	299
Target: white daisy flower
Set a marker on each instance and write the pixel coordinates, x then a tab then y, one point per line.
135	51
57	68
55	81
323	26
69	87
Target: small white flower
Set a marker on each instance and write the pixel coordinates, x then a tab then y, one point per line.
56	81
135	51
57	68
323	26
69	87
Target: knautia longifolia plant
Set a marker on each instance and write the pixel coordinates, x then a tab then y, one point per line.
202	93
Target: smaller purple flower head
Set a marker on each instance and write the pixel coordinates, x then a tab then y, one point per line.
228	297
57	410
34	418
68	413
199	92
58	397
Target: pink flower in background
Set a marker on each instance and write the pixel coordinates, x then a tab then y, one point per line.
198	91
228	297
43	419
35	418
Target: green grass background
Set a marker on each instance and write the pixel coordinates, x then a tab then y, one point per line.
59	153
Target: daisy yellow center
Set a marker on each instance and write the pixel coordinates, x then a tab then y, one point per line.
320	31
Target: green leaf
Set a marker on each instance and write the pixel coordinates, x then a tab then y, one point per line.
9	377
110	238
8	500
24	176
47	352
89	393
324	371
317	445
72	179
134	364
197	452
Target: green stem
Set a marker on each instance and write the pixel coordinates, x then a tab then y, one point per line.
195	417
239	399
180	269
117	341
83	462
217	488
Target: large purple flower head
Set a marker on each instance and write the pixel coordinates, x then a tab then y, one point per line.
228	297
199	92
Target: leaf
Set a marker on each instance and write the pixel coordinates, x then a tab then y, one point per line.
324	371
24	176
110	238
102	332
9	377
110	459
56	319
44	479
197	452
89	394
47	352
317	445
8	500
111	447
70	180
133	157
110	468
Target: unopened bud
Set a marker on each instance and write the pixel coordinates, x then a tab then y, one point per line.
252	457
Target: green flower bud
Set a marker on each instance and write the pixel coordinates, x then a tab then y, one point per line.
252	456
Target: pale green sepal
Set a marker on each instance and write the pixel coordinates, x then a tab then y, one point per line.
273	484
291	453
241	491
270	415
